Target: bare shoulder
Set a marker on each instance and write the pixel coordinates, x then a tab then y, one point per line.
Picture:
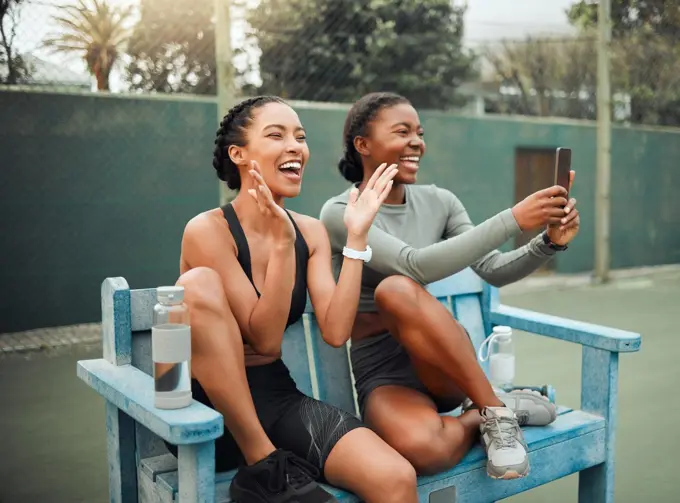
206	222
207	227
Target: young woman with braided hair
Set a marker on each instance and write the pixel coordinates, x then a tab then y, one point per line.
246	269
410	358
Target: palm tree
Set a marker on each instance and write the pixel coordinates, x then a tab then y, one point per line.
96	30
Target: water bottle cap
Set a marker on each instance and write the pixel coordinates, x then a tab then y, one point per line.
502	331
170	294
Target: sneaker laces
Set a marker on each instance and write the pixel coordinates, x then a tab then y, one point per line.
291	470
503	430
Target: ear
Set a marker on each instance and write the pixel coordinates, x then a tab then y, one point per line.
236	155
362	145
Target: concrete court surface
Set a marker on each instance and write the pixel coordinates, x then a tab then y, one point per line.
53	443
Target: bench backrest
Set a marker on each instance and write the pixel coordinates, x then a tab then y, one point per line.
318	369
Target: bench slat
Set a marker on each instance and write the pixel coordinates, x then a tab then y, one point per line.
462	283
577	436
294	355
152	467
141	304
469	314
579	332
332	369
132	391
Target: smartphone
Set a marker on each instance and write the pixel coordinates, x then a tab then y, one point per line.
563	167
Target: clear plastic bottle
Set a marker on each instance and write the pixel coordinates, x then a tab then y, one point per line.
501	356
171	349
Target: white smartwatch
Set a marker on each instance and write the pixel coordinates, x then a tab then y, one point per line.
356	254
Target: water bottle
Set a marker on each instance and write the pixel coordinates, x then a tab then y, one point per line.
501	356
171	349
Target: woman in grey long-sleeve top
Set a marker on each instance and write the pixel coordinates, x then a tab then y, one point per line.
410	358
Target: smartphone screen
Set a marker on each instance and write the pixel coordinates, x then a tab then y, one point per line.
563	167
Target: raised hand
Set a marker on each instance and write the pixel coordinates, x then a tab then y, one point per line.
568	227
280	225
362	208
545	207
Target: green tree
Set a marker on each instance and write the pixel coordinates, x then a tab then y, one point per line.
647	51
337	50
17	70
550	77
95	30
172	48
628	16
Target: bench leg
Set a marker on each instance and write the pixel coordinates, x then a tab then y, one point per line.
599	395
196	472
120	448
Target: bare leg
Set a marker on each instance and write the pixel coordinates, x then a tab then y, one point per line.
364	464
437	344
218	358
408	421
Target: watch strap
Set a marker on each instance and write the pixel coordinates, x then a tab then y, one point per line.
551	245
364	255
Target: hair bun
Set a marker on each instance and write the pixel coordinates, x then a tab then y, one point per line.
350	170
345	166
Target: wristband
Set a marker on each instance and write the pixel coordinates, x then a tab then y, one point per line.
551	245
364	255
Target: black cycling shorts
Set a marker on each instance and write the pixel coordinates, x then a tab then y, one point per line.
380	360
292	420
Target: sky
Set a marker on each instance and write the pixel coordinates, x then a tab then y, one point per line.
485	21
496	19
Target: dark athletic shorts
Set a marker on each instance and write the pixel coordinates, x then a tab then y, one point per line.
380	360
293	421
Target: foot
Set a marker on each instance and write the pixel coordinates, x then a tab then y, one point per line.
530	407
504	444
281	477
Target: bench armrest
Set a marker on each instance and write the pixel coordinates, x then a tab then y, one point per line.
586	334
132	391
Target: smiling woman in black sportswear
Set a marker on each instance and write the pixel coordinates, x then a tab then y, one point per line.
246	269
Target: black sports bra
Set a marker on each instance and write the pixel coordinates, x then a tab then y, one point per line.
299	297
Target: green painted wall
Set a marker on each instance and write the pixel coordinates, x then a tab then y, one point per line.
97	186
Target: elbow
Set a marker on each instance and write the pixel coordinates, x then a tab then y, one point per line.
410	266
336	343
336	340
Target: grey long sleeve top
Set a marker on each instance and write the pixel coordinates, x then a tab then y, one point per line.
431	237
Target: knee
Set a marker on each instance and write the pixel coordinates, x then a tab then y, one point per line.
430	450
396	481
203	290
396	293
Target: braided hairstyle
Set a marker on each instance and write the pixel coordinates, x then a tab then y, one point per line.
232	131
356	124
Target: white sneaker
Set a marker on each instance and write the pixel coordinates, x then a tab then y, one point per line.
530	407
504	443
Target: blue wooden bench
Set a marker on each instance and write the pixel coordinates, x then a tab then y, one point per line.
142	470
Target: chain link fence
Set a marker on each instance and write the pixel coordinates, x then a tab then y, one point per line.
432	51
337	50
557	76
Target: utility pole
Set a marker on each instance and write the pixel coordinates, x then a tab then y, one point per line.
225	73
603	168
